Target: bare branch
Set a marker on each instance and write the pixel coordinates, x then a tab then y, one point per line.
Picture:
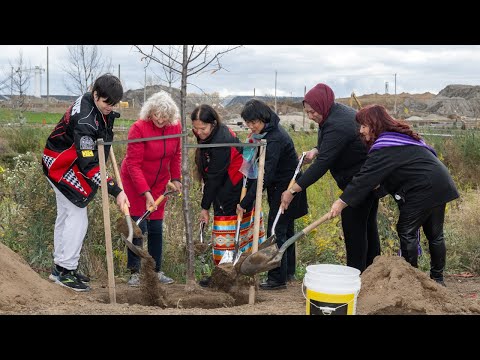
20	80
193	62
85	64
200	67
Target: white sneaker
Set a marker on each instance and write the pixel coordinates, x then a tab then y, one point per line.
134	280
164	279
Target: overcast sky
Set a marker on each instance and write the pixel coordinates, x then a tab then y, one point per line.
361	68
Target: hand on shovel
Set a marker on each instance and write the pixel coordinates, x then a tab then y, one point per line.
178	185
153	206
337	208
122	200
240	210
204	216
150	201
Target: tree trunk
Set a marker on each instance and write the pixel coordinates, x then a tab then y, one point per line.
190	284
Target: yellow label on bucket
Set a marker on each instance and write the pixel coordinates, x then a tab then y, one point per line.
329	304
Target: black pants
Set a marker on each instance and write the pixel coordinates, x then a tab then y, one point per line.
431	220
359	225
283	231
155	240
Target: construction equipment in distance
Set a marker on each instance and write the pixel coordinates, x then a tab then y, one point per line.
354	97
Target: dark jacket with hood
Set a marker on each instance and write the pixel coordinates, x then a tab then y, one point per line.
219	167
281	160
340	148
70	158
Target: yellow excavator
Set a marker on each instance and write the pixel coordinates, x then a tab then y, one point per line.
354	97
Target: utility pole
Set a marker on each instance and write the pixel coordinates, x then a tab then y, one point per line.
395	103
253	92
48	88
145	87
11	85
119	71
303	112
275	91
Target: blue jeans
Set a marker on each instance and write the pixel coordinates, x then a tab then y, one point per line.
155	240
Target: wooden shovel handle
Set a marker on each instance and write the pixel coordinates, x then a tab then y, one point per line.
161	197
291	183
242	195
125	209
316	223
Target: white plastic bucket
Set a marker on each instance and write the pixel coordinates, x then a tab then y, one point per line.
331	289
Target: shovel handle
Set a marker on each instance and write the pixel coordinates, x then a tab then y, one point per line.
161	197
304	232
316	223
125	209
243	193
291	183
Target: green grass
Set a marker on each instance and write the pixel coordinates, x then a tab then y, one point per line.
43	118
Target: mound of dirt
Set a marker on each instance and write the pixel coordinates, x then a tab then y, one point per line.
22	288
391	286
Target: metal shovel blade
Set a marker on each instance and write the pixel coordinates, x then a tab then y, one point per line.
263	260
270	257
227	257
128	241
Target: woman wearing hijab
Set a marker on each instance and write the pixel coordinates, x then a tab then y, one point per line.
340	150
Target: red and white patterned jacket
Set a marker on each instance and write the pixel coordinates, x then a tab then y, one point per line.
70	158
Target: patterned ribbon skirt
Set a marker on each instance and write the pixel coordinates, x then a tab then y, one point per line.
223	233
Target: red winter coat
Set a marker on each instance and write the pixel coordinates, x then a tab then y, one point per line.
148	165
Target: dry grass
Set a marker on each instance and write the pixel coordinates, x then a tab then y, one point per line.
462	233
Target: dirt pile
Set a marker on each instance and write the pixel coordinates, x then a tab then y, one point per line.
22	288
391	286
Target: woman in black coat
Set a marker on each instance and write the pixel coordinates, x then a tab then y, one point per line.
408	169
281	160
341	151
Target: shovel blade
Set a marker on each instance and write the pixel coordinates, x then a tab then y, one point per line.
269	242
227	257
263	260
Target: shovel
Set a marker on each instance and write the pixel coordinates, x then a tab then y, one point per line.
228	256
270	257
272	239
157	202
128	240
202	246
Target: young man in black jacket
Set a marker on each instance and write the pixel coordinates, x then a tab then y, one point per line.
70	162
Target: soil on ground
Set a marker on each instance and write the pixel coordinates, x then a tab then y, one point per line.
389	286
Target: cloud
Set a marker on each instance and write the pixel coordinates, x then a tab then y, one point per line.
346	68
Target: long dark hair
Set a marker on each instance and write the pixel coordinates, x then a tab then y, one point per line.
379	120
206	114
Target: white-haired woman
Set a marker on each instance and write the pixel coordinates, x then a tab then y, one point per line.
145	171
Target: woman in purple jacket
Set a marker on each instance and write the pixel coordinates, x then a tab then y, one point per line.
408	169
